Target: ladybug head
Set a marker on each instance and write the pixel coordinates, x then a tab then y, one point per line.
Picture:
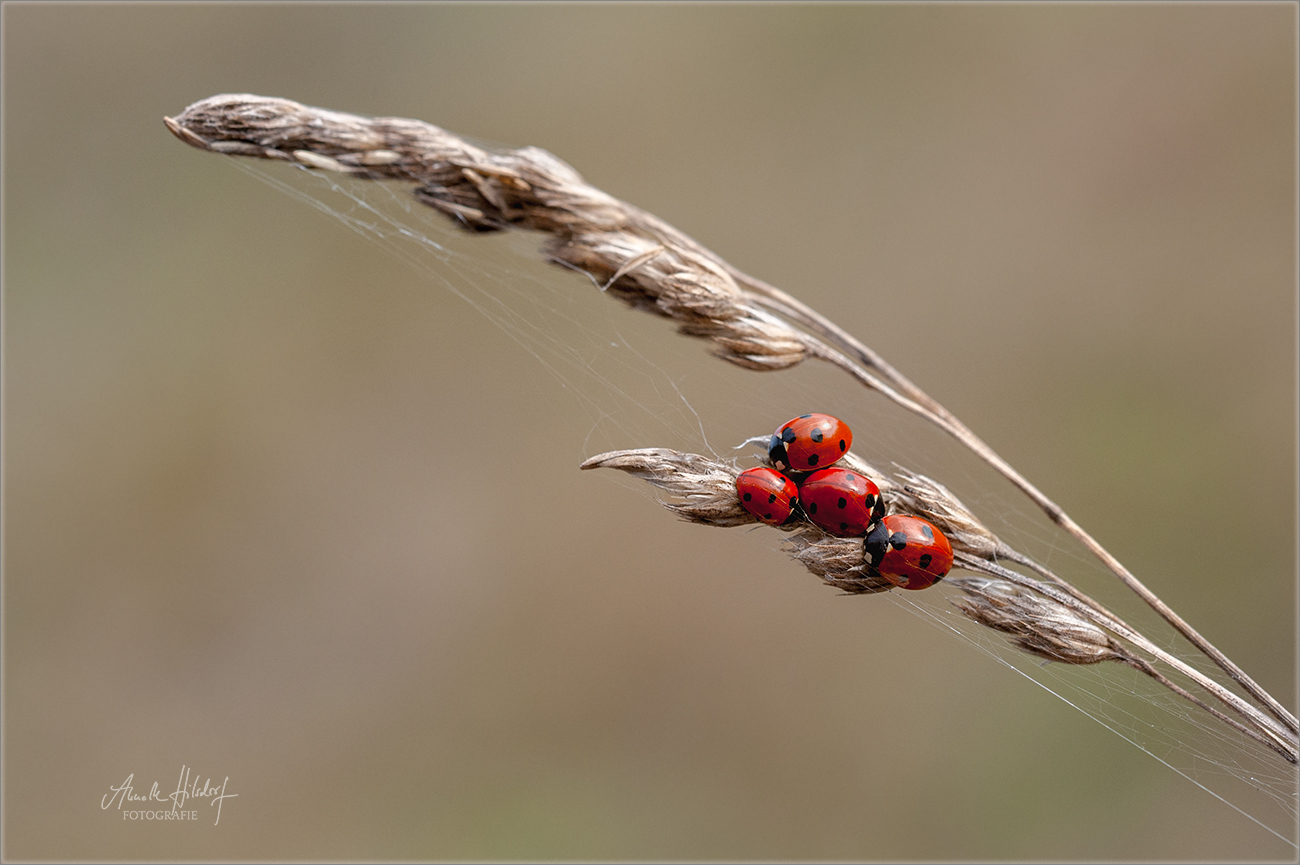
876	543
776	453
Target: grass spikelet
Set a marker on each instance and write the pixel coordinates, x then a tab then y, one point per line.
927	498
705	489
1036	624
838	561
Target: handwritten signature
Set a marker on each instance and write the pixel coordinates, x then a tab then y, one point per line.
185	790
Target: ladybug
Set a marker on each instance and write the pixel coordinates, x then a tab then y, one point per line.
767	494
908	551
809	442
841	502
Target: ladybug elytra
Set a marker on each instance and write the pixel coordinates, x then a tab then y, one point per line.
767	494
841	502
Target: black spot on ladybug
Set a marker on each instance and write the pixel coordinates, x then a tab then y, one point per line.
844	527
925	562
843	446
925	531
787	435
842	502
812	459
748	496
767	516
812	507
803	416
898	540
816	435
771	498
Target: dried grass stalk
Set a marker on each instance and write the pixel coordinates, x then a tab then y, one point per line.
633	255
1263	728
838	561
650	265
705	489
1038	625
1044	619
931	500
1052	630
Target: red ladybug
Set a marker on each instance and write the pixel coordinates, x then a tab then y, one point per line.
768	495
809	442
841	502
908	551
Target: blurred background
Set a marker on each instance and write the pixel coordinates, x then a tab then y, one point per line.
246	532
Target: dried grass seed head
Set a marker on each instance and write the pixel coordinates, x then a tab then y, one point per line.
704	489
1037	625
931	500
705	492
689	288
838	561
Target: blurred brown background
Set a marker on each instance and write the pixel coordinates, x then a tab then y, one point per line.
244	533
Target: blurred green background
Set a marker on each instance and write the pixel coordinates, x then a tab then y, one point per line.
243	531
